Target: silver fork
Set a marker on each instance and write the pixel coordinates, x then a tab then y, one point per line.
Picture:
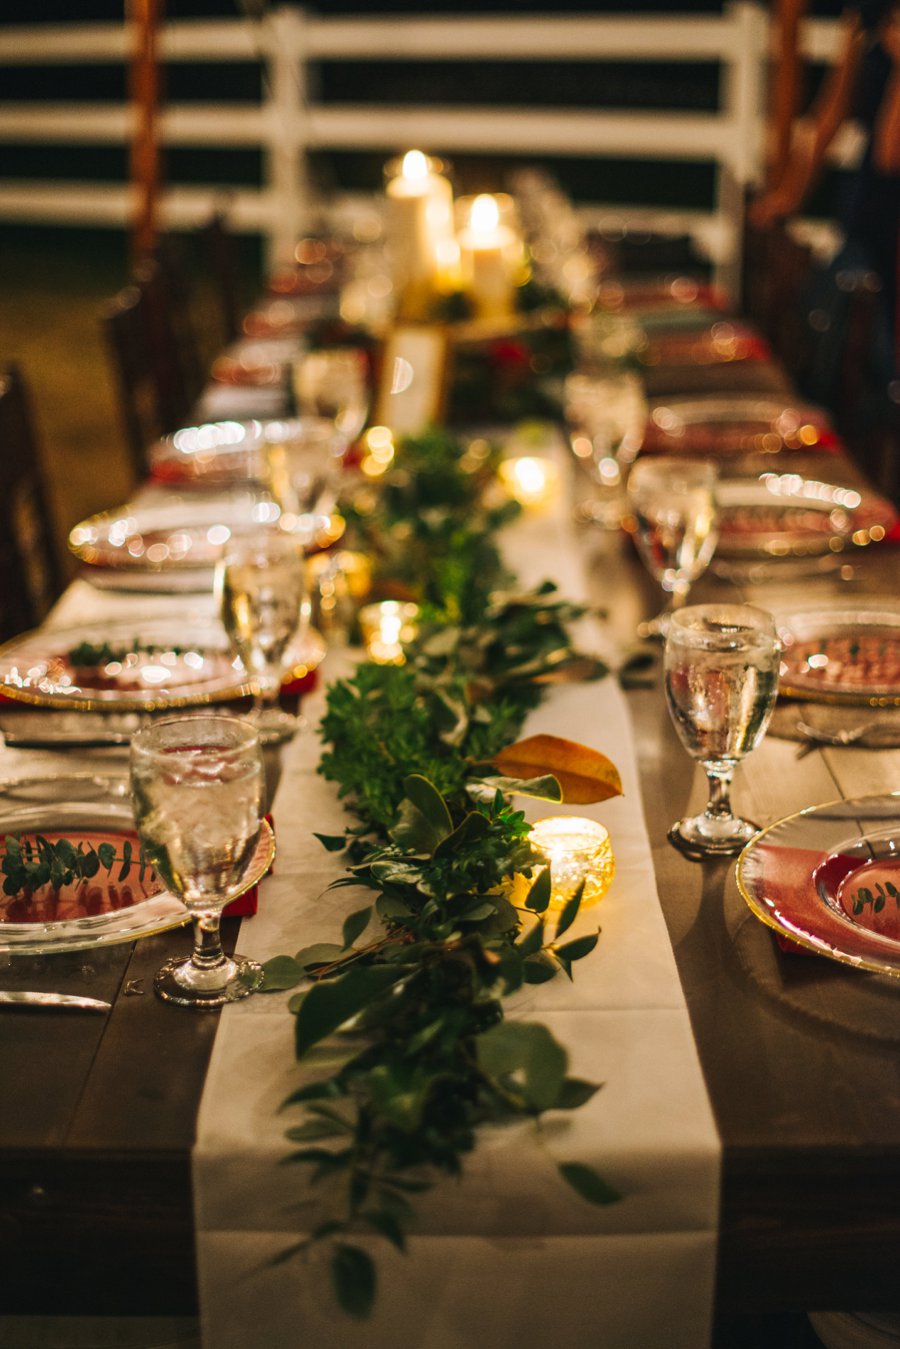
814	737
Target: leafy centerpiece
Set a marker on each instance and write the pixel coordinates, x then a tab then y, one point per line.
422	756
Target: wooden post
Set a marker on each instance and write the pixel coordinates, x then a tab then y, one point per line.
145	85
786	83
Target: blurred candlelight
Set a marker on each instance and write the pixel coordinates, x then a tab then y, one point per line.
385	626
421	228
533	481
577	850
486	248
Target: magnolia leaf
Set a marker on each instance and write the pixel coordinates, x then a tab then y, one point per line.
328	1005
584	774
423	820
544	788
353	1278
281	972
527	1052
474	826
586	1182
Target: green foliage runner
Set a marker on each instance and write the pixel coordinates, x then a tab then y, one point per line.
416	983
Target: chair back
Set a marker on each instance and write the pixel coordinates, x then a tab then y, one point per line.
218	257
30	572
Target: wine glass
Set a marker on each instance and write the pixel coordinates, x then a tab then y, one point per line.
197	786
302	466
721	668
605	415
261	586
333	383
674	521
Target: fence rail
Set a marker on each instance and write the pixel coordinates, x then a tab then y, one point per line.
288	123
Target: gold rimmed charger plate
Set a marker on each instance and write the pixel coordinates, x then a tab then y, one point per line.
817	877
839	654
87	806
168	665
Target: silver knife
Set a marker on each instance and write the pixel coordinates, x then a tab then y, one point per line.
68	1000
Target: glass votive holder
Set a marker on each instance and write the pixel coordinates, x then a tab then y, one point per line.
532	480
576	850
385	626
339	580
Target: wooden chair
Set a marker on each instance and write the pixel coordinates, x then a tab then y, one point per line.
155	389
30	572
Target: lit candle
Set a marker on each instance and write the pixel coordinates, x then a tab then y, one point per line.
385	627
421	224
485	249
577	850
530	479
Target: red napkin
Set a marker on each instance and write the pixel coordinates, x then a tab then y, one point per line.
246	905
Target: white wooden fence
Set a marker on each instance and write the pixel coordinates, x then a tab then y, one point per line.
287	122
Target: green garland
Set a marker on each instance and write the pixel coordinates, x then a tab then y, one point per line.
421	970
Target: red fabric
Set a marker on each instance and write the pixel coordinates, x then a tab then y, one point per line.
246	905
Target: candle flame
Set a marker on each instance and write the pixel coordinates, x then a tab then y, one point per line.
415	166
485	214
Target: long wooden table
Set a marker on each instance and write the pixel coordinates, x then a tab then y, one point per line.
98	1112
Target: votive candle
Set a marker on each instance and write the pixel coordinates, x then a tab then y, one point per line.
576	850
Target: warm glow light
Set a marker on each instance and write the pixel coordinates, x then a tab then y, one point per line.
485	215
532	481
385	627
415	166
578	851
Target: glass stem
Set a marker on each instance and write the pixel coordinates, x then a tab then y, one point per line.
207	952
718	807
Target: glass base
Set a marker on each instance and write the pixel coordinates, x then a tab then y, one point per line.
185	983
274	725
699	837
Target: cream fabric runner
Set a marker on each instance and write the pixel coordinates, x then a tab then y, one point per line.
508	1256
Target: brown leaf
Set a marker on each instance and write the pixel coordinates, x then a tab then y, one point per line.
584	774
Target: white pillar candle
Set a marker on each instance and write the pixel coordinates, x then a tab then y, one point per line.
485	248
420	223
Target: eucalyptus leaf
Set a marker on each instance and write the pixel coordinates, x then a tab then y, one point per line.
332	842
570	911
585	1181
354	1281
329	1005
355	924
281	972
581	946
320	953
526	1051
539	893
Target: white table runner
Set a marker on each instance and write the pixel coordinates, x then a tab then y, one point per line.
508	1256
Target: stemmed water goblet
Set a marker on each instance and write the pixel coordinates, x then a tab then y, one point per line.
605	415
674	520
262	592
333	383
721	671
198	790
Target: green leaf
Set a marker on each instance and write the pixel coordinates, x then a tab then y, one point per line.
281	972
313	1129
543	788
353	1279
539	969
355	924
474	826
124	869
581	946
320	953
533	940
332	842
570	911
575	1092
387	1224
107	854
585	1181
527	1052
329	1005
423	820
540	892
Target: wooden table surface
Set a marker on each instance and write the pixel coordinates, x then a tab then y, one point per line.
98	1112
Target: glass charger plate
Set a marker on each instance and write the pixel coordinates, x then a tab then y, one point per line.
786	515
122	666
737	425
228	453
828	879
842	654
175	545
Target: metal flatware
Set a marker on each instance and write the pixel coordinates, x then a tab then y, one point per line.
73	1001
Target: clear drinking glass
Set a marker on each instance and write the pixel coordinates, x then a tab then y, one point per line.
674	520
261	585
721	668
333	383
198	785
605	416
